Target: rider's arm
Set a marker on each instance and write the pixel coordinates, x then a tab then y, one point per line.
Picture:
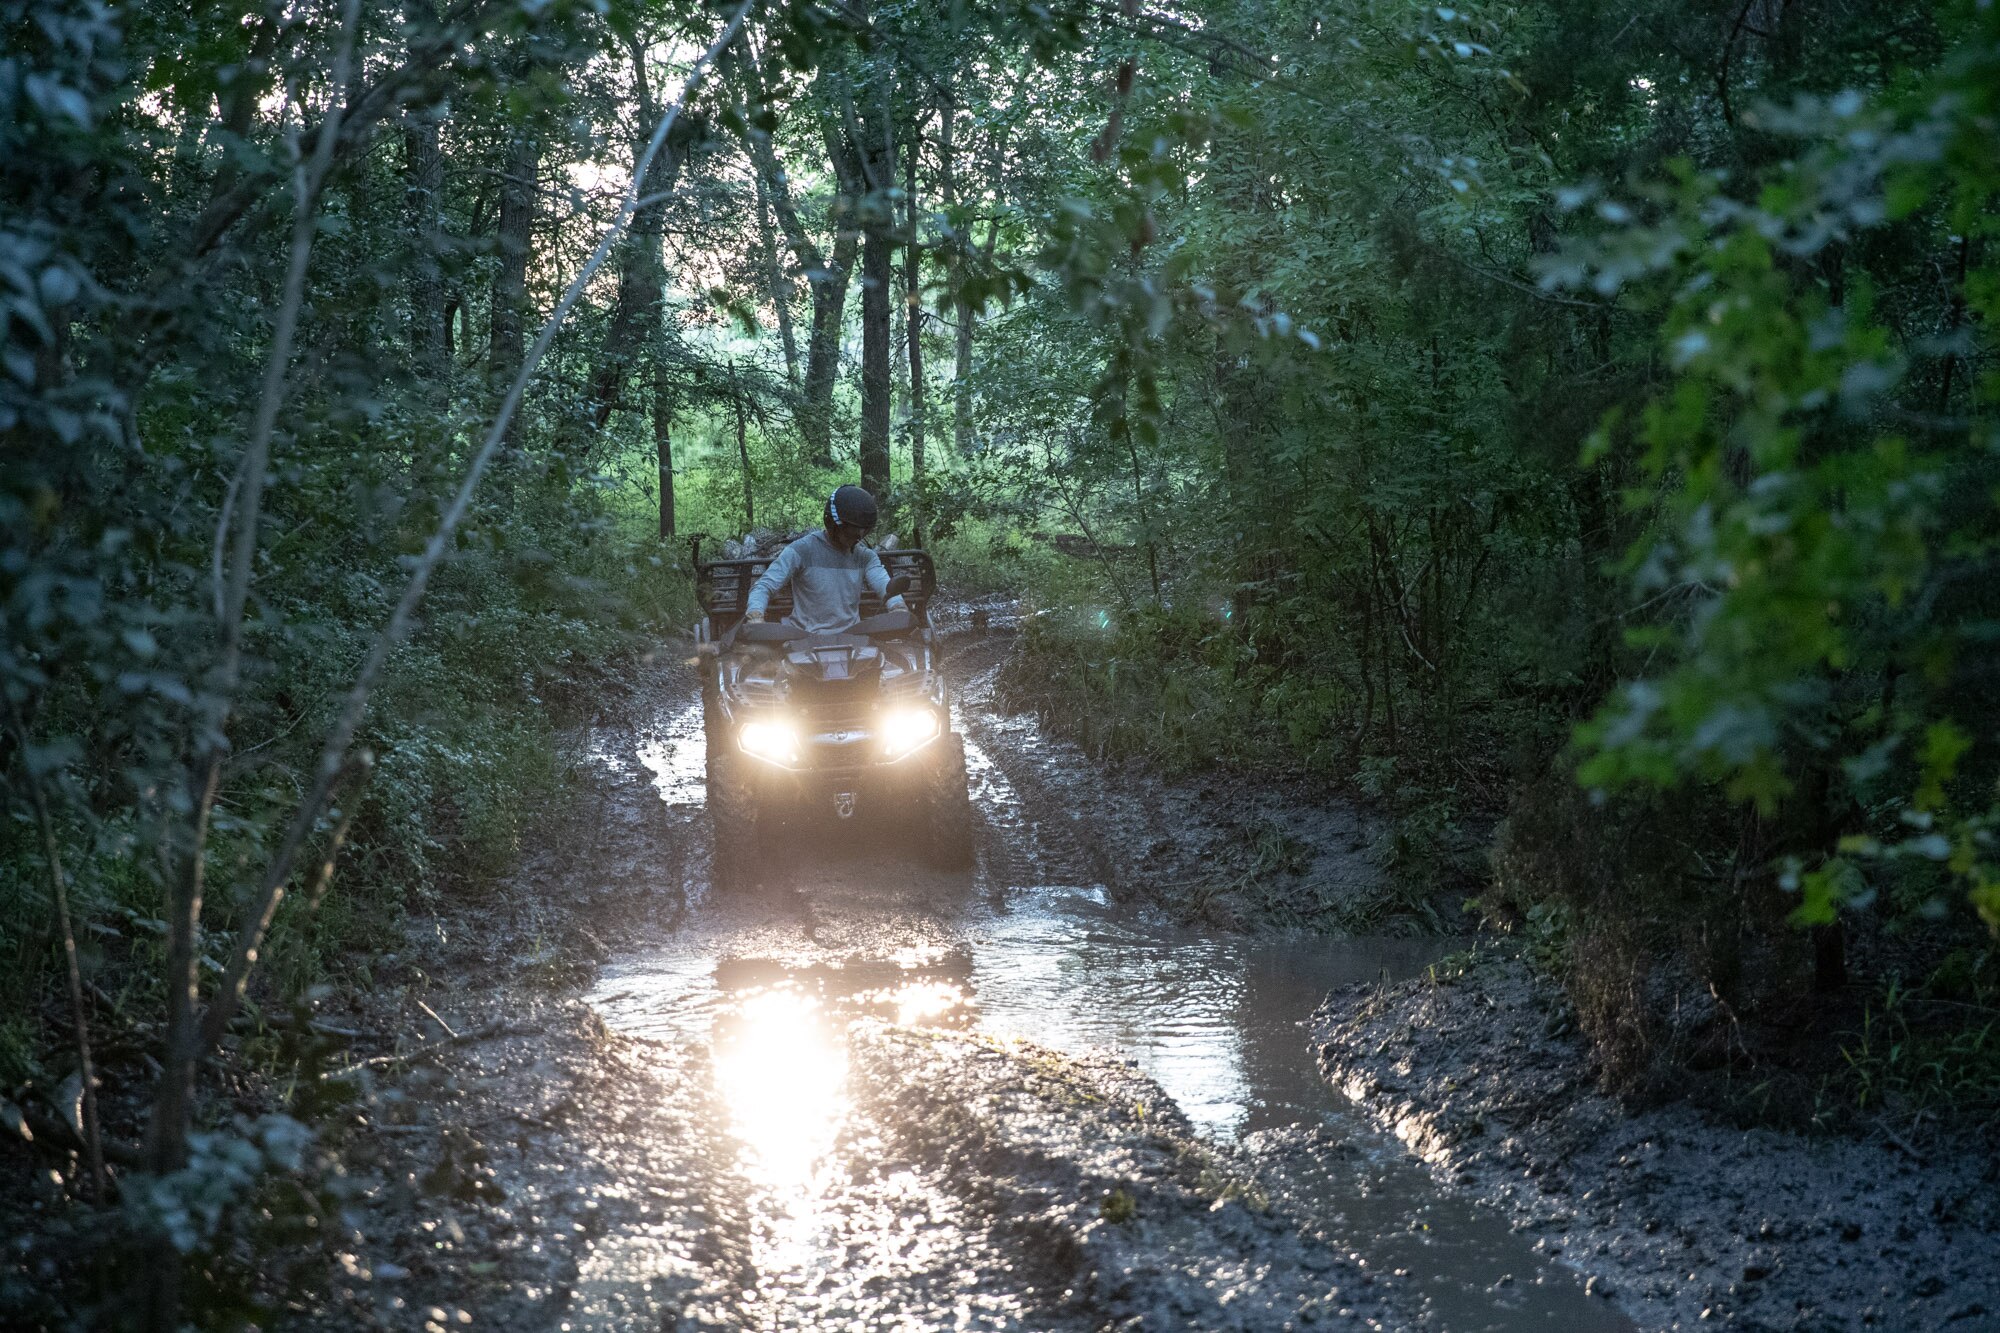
878	579
775	576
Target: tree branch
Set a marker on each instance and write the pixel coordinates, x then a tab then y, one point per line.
340	740
93	1138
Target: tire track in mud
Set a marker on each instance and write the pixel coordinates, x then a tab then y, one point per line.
901	1214
1029	840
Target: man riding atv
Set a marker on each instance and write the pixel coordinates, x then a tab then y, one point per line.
829	711
827	569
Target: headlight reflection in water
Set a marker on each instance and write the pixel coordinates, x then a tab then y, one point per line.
780	1063
782	1071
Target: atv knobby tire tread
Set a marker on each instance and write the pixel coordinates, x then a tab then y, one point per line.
733	818
947	809
711	716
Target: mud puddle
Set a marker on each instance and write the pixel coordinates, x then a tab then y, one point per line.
1027	947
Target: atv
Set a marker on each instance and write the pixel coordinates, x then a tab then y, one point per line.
854	724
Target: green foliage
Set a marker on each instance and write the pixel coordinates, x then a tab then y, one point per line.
1929	1050
1158	684
189	1207
145	169
1819	481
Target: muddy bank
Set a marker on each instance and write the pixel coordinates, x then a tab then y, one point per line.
540	1170
1218	849
1683	1221
1117	1215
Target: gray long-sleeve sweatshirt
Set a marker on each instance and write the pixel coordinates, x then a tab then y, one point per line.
826	583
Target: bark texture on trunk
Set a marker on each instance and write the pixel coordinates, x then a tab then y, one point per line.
663	444
779	281
642	269
506	340
913	316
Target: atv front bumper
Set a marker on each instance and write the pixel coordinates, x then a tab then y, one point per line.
834	780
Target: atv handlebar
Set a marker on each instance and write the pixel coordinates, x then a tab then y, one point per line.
883	625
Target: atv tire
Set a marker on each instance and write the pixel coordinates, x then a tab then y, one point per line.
733	817
711	716
947	809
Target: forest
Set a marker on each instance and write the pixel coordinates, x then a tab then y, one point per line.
1569	431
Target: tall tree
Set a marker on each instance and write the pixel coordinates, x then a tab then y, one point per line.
780	282
635	318
913	318
423	175
513	245
872	128
828	275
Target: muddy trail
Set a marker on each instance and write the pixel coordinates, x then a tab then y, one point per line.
876	1096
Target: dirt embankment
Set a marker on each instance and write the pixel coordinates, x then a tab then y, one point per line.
488	1177
1218	850
1113	1211
1684	1219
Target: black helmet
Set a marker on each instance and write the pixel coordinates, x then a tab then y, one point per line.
851	504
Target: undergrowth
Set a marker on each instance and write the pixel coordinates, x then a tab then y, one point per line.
1926	1051
1188	691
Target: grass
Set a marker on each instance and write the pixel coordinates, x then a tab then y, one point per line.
1919	1054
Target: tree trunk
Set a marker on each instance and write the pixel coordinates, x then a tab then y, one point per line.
829	291
913	315
876	275
967	315
743	456
780	283
878	161
430	346
423	194
642	270
830	297
956	272
506	339
663	443
826	279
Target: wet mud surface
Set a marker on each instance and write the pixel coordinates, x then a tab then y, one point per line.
1691	1223
876	1096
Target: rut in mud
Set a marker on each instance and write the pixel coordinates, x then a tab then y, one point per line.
1010	1099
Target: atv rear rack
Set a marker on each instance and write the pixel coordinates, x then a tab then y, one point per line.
724	587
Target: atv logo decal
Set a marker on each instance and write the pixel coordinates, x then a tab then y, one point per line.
843	804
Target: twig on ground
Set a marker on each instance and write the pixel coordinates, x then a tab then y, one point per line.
497	1028
449	1031
1898	1141
333	1030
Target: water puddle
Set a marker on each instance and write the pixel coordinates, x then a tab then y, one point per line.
1216	1021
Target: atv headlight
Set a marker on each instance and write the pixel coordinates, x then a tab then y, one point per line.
907	730
774	740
